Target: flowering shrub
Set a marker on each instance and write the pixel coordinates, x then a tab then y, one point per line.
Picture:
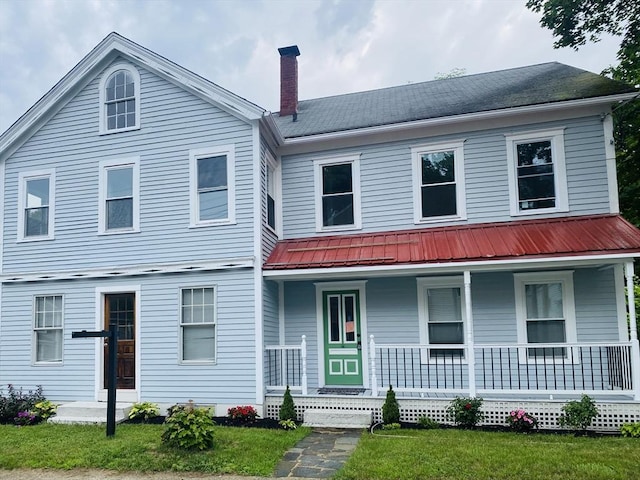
521	421
189	428
25	418
246	413
465	411
16	401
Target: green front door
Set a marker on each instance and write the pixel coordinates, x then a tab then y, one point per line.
342	338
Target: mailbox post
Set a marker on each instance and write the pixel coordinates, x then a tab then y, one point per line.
112	338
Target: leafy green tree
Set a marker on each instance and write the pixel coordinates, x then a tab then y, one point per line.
574	22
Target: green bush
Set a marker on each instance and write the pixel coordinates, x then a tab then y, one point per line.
16	401
288	408
189	428
288	424
390	408
428	423
465	412
630	430
144	411
44	409
579	414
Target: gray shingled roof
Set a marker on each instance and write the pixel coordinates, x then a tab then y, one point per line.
517	87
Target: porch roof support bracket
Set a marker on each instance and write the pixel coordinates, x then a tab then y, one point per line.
633	322
471	363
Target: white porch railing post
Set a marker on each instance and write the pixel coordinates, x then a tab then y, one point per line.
633	322
471	353
303	354
372	355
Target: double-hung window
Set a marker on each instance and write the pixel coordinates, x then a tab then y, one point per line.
439	190
337	187
212	186
546	313
537	174
441	308
47	329
273	193
119	210
36	205
120	99
198	324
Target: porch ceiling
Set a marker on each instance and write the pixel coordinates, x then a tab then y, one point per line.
490	242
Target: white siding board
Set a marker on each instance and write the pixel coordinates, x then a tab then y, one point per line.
386	178
170	128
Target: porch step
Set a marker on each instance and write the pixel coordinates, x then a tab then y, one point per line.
89	412
337	418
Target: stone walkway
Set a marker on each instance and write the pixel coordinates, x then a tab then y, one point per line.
320	455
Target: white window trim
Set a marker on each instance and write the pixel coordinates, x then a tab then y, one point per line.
275	166
194	156
423	312
556	136
181	360
133	162
568	307
318	163
461	198
34	342
23	177
102	123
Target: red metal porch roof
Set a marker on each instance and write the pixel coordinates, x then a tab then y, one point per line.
552	237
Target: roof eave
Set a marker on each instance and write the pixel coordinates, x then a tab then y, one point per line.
112	46
543	261
546	107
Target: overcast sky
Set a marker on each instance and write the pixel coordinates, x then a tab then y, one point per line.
346	45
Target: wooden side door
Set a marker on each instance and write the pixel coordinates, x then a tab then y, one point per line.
120	310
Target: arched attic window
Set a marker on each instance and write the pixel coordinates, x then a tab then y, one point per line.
120	99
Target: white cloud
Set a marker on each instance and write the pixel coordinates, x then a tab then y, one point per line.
345	45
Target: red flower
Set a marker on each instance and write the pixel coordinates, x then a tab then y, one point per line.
467	406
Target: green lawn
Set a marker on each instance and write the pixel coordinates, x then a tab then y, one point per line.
244	451
457	454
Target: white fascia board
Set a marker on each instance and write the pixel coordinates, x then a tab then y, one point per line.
130	271
478	116
112	46
448	267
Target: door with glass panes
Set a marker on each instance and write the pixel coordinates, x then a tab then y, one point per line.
119	309
342	338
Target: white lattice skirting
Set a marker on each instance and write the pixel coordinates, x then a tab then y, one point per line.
612	415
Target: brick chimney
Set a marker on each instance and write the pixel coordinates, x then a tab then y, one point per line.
288	80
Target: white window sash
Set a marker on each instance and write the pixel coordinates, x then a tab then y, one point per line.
194	156
102	123
23	178
565	278
319	163
105	166
186	328
556	137
417	151
54	350
425	284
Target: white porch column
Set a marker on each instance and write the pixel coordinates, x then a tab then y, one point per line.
471	354
303	353
633	322
372	356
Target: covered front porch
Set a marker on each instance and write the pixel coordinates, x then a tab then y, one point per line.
478	310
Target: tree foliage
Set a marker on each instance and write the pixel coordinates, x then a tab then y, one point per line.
574	22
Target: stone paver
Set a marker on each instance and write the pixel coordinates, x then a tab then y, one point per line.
320	455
